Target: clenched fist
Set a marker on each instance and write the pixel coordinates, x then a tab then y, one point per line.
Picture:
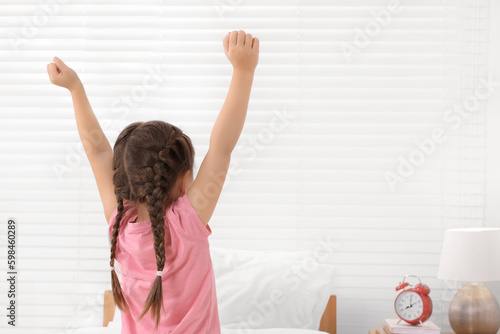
242	50
62	75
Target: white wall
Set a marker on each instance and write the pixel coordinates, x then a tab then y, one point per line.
493	153
321	133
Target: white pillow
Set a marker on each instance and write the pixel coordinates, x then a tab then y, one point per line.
270	289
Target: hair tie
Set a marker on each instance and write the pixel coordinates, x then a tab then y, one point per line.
159	273
112	268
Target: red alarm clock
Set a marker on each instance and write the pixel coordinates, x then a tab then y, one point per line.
413	304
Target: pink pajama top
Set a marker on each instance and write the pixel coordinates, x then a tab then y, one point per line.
189	295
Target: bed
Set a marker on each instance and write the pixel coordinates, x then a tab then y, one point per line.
246	280
328	322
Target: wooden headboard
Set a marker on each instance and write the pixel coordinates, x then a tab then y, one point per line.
328	320
109	307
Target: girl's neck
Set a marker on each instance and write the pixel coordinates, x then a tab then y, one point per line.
142	208
142	214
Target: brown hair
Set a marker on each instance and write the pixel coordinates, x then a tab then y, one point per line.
149	159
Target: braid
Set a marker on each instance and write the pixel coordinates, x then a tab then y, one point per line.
117	290
156	204
122	190
150	164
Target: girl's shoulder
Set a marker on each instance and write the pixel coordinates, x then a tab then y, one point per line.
183	211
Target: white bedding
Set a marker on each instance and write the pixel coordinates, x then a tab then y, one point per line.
270	331
115	330
271	289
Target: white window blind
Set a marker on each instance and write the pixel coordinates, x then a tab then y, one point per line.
360	136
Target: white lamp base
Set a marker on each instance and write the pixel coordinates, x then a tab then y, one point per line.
474	310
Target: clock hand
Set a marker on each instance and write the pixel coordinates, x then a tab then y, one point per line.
410	303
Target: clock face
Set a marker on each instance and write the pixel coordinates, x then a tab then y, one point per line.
409	305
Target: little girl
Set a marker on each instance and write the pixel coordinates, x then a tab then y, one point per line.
158	215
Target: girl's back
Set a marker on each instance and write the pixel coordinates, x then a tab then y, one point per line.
189	297
167	275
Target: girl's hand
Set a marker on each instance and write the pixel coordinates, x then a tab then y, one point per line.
242	50
62	75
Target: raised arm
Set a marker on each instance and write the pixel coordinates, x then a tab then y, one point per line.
243	52
95	143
